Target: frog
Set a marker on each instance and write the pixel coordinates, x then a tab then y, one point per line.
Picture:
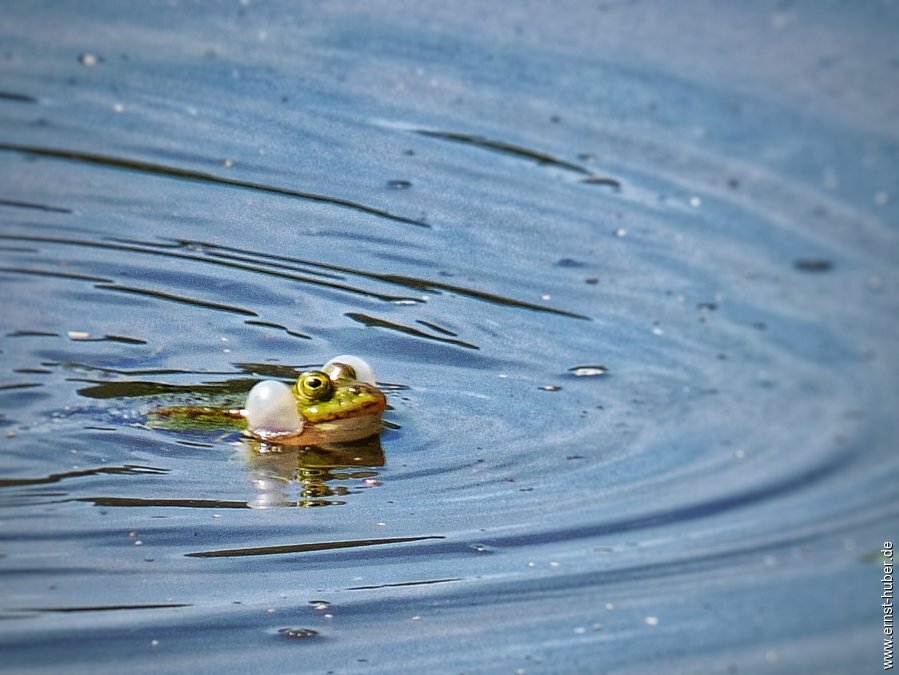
339	403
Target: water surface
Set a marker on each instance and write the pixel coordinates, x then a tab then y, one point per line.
628	278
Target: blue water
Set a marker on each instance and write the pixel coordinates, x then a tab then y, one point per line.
480	200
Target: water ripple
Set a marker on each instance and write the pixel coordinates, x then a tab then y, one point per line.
187	174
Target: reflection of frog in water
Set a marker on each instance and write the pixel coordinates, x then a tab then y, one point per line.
316	432
337	404
275	468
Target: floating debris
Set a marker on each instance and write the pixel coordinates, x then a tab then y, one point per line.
603	180
588	371
813	265
399	184
298	633
551	387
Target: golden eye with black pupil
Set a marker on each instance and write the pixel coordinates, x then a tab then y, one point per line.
314	386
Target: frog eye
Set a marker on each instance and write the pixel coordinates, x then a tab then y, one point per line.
314	386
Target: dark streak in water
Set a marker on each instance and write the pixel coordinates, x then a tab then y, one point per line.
203	177
427	582
277	326
51	273
521	153
604	181
101	608
504	148
159	295
20	385
126	470
373	322
124	339
177	503
414	283
434	326
136	388
32	333
813	265
136	371
21	98
155	250
29	205
305	548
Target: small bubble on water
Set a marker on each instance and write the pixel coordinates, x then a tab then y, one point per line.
88	59
298	633
154	643
228	163
610	605
399	184
546	297
695	202
580	630
621	232
118	107
78	335
652	620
